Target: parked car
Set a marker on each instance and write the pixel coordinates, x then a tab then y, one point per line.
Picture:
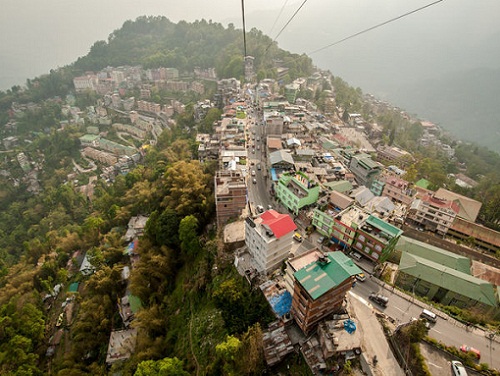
471	350
297	237
361	277
355	255
253	172
258	167
379	299
254	181
320	239
260	208
458	368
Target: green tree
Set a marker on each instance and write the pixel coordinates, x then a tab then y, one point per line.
163	367
188	235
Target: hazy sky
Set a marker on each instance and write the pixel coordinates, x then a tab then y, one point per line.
36	36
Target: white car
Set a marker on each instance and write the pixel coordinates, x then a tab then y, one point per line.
458	368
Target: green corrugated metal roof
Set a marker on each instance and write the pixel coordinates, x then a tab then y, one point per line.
438	255
339	186
89	137
423	183
73	287
318	278
448	278
384	226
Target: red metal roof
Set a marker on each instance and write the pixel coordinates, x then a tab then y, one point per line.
280	224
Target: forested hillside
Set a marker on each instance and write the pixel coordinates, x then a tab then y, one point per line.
193	302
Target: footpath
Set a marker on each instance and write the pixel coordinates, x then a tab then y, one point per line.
374	343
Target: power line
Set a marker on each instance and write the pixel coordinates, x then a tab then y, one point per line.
290	20
375	27
279	15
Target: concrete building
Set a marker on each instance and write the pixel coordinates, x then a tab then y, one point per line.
296	190
480	236
327	210
365	170
320	288
391	154
269	239
83	83
398	190
376	239
345	224
230	195
298	262
432	213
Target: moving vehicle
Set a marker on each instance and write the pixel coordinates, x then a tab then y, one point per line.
258	167
253	172
361	277
260	208
472	350
379	299
254	181
458	368
428	315
297	237
320	239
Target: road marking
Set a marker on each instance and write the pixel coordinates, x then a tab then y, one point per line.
437	331
435	365
399	309
362	300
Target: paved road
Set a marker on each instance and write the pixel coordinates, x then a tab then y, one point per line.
403	307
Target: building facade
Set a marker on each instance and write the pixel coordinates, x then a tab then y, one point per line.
320	288
296	190
269	239
432	213
230	195
365	170
376	239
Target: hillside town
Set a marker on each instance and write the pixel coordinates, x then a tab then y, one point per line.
313	205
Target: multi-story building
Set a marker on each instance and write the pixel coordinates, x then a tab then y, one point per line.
364	168
296	190
269	239
230	195
320	288
391	154
391	185
345	224
83	83
432	213
376	239
298	262
324	214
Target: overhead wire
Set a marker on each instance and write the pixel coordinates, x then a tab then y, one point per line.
375	27
278	17
287	23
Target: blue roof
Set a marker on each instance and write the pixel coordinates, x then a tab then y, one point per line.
281	303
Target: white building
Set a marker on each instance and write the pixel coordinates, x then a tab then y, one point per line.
269	239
